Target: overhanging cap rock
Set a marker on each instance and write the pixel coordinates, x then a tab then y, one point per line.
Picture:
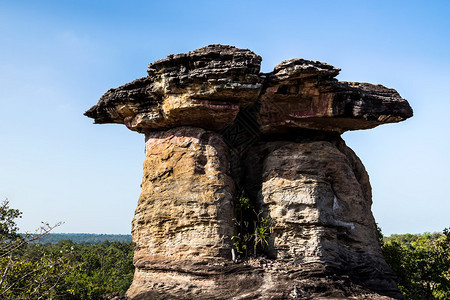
207	88
204	88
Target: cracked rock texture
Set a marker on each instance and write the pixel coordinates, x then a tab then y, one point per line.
304	94
317	204
186	205
205	88
215	125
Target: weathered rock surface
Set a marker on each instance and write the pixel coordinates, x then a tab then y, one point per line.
186	206
215	126
318	197
304	94
183	222
205	88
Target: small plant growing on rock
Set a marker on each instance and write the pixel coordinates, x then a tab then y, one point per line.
253	229
262	232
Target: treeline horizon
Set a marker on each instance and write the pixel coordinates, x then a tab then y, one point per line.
81	238
96	238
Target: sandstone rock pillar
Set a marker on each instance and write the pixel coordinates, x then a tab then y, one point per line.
216	126
184	213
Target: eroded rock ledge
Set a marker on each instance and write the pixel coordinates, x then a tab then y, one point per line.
215	126
207	88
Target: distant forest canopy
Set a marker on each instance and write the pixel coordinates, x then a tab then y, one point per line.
92	238
83	238
421	263
408	238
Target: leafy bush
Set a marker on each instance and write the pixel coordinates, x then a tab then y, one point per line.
253	229
421	263
64	270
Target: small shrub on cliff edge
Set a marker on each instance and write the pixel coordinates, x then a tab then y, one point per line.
253	230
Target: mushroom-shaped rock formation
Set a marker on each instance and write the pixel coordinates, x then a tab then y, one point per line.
304	94
249	192
205	88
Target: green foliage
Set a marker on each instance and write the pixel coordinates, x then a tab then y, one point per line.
253	230
63	270
421	263
262	232
22	277
242	203
33	278
103	269
8	227
66	270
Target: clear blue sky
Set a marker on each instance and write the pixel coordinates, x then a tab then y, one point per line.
58	57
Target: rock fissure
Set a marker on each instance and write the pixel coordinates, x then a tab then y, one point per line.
215	126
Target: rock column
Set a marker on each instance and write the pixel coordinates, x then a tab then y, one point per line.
215	126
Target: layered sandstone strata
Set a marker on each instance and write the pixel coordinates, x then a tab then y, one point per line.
214	126
207	88
304	94
204	88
